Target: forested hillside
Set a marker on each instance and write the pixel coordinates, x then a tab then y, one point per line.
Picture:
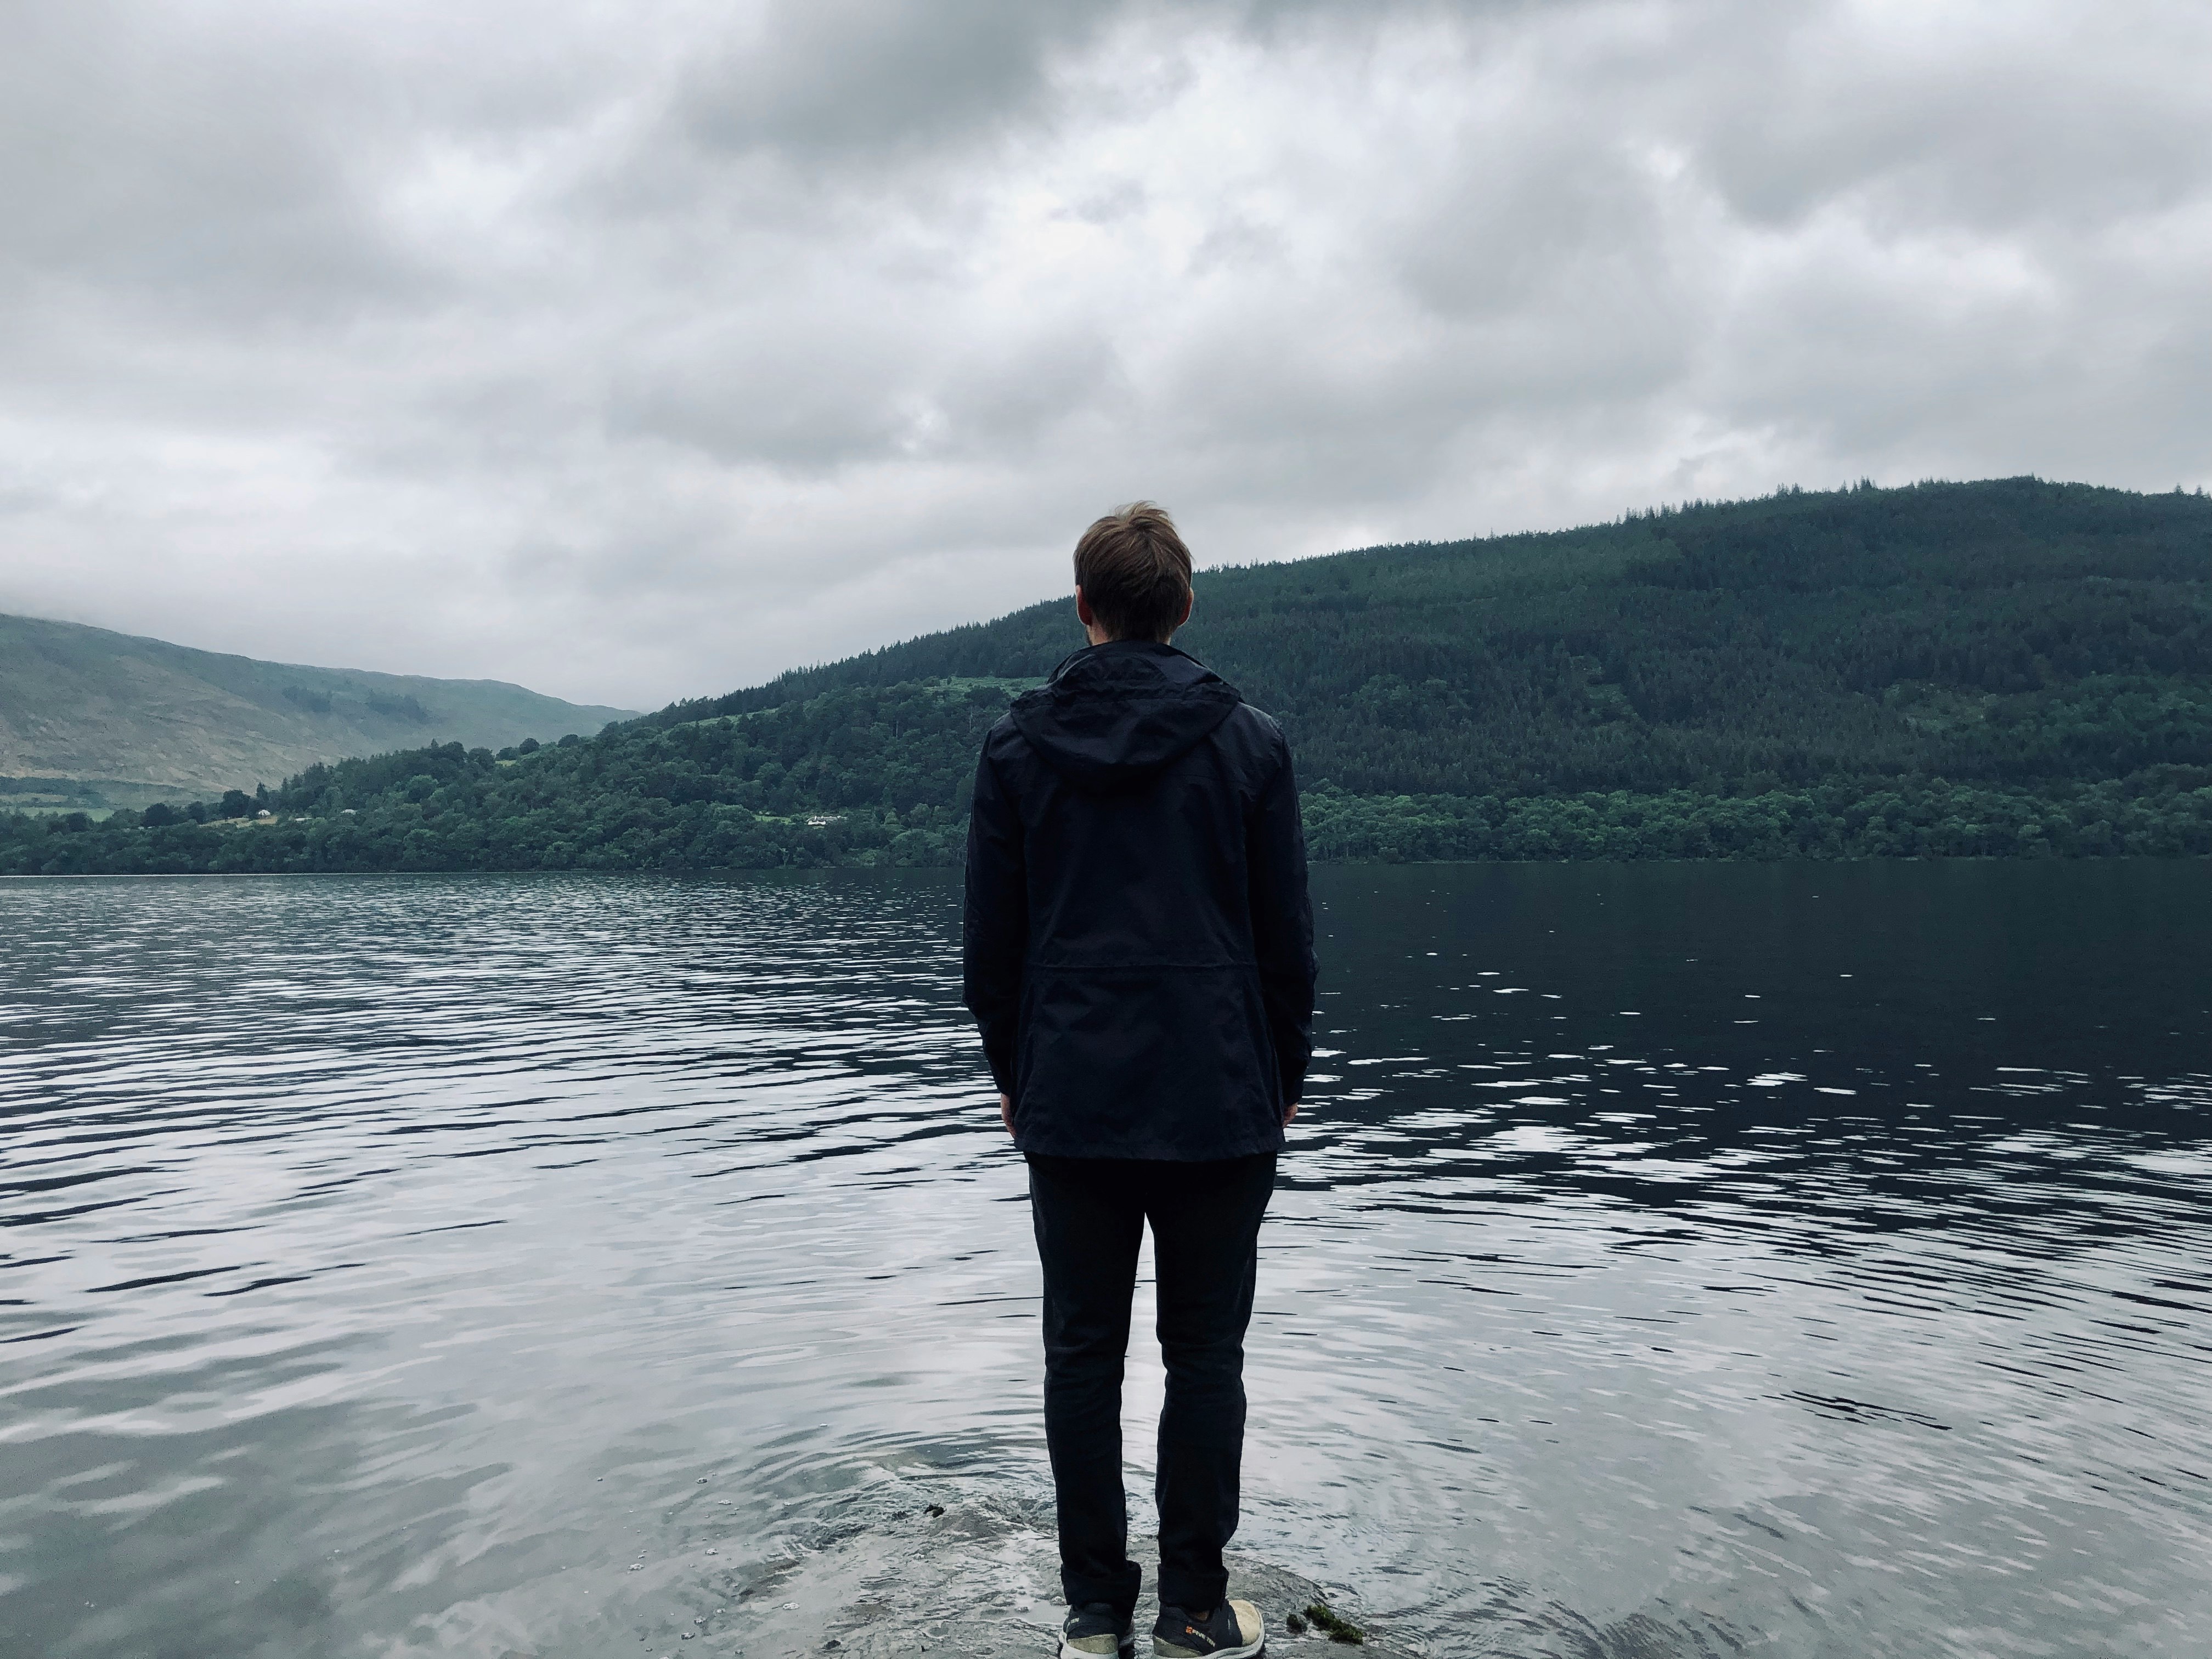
2012	630
2009	668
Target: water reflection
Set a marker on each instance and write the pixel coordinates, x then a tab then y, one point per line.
1673	1260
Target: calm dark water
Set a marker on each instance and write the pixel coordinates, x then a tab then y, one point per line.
1672	1260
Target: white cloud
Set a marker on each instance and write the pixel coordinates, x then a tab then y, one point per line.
641	351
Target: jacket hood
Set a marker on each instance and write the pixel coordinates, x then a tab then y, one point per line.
1112	716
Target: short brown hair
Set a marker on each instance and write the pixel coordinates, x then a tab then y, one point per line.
1135	572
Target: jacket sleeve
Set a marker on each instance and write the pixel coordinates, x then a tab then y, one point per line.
1282	925
994	924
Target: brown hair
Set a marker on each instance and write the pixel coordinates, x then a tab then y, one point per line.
1135	572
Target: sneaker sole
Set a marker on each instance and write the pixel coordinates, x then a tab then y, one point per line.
1170	1651
1127	1651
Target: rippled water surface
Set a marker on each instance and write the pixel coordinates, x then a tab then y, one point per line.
1671	1259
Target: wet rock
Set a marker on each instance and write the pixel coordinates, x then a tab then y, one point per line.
984	1586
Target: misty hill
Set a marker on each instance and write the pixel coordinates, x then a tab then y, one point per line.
94	715
2009	668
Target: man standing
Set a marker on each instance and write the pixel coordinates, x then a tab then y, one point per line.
1138	952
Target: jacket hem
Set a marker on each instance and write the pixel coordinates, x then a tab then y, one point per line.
1149	1152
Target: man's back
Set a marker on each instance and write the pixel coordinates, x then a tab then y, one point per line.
1139	955
1138	946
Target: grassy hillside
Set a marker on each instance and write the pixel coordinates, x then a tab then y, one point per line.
91	717
2007	668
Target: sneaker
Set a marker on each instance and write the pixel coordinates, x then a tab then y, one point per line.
1096	1628
1233	1630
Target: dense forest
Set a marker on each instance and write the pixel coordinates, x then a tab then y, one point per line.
2009	668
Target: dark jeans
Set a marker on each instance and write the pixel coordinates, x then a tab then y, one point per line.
1090	1216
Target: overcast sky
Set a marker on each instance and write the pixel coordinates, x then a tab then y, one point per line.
639	348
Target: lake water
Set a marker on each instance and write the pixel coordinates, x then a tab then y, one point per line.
1672	1260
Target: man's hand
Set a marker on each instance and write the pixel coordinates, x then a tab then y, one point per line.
1291	1114
1007	1112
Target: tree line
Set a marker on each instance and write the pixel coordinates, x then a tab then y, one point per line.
2014	668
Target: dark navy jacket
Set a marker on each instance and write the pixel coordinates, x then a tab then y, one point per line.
1138	946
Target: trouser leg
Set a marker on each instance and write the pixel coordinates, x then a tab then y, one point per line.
1089	1224
1206	1233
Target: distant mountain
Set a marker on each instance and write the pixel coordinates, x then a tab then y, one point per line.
89	717
2013	668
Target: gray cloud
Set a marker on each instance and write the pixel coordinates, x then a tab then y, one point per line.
640	352
862	80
